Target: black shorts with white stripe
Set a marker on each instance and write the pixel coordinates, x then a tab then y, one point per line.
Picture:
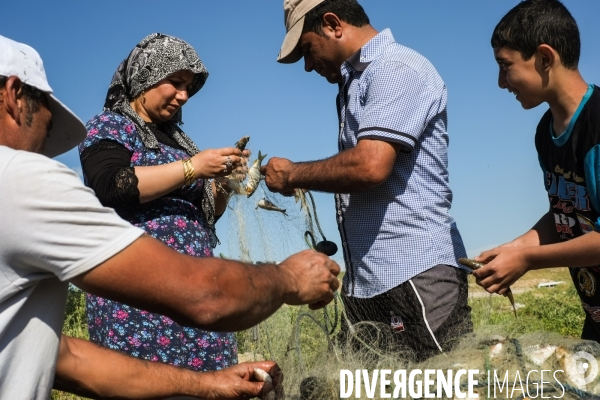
420	318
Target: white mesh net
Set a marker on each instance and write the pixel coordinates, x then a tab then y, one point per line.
307	346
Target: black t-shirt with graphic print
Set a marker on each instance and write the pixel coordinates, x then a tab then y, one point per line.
568	180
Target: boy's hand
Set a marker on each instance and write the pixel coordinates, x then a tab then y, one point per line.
505	265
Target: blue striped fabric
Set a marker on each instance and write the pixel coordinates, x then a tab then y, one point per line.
402	227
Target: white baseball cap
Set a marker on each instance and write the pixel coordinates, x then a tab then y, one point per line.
18	59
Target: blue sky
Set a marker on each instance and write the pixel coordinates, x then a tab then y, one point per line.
494	173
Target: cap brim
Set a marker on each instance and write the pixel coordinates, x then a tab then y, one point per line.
67	129
290	49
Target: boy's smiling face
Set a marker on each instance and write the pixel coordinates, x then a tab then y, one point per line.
520	77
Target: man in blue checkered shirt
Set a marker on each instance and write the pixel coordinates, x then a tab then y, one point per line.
390	178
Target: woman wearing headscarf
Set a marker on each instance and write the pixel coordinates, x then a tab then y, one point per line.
138	161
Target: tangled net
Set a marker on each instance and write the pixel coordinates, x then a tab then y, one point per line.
307	346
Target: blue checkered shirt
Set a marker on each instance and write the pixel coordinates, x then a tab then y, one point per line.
402	227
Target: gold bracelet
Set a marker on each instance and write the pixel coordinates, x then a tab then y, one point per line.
188	171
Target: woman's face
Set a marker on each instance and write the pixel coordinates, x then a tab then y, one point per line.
160	102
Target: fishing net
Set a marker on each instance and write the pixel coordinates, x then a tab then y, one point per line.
308	347
259	235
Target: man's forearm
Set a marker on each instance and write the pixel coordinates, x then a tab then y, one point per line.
208	293
242	296
89	370
338	174
360	168
238	295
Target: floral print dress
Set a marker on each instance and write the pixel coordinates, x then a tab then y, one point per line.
178	222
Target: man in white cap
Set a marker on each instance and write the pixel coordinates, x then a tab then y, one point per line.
390	178
54	231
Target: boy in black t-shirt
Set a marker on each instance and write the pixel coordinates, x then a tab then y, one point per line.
537	48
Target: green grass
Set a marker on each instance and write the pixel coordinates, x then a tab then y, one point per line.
75	325
75	317
555	309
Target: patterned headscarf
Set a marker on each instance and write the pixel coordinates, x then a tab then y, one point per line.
153	59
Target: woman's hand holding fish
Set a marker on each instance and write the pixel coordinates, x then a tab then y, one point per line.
311	279
505	264
212	163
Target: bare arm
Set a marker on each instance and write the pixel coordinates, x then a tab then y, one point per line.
210	293
361	168
535	250
158	180
583	251
89	370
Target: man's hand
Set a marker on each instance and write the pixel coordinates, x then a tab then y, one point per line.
239	381
312	277
505	264
277	173
92	371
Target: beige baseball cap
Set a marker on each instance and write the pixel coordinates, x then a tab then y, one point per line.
294	12
18	59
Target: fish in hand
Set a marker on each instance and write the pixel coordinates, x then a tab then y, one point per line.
475	265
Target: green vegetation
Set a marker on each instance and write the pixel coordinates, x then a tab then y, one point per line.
75	317
296	336
75	325
555	309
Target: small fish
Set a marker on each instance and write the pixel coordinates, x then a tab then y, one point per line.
267	205
496	349
241	144
254	175
539	354
262	376
475	265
